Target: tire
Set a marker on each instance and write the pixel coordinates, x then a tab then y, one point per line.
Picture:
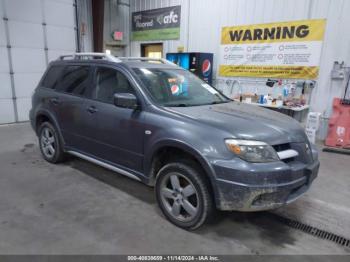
50	144
190	187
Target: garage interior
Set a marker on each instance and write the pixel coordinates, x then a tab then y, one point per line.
78	208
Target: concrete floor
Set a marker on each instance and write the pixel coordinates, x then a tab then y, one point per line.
79	208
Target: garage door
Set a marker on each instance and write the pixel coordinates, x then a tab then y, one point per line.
32	33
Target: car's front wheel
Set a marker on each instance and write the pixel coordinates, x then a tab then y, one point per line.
183	195
50	144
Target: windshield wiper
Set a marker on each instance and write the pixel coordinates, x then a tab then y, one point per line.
176	105
218	102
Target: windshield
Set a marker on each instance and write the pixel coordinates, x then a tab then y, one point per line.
177	87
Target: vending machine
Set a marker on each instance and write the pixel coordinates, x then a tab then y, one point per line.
201	64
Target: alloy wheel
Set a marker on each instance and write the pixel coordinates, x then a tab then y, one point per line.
180	197
48	143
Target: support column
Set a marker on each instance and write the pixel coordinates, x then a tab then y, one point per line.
97	24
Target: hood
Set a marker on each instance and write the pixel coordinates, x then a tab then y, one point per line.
247	122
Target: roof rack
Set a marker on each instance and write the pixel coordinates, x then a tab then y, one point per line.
161	60
112	58
108	57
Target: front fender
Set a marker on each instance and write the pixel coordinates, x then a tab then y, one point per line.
176	144
149	156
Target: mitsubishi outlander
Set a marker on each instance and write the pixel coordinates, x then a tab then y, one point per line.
157	123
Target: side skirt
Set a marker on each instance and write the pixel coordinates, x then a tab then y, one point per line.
103	164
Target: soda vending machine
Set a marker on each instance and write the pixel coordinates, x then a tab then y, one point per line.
201	64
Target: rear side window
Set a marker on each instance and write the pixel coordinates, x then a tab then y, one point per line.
52	76
75	80
109	82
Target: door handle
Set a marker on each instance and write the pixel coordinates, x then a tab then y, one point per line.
55	101
92	109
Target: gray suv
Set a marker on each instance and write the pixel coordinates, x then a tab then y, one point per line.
152	121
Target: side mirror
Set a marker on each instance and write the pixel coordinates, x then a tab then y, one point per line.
126	100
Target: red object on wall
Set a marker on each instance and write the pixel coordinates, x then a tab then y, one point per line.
118	36
339	126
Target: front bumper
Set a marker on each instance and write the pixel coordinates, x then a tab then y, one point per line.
264	187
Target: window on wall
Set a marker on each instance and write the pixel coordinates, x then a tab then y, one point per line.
75	80
152	50
109	82
155	54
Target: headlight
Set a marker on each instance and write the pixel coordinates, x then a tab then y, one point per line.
252	151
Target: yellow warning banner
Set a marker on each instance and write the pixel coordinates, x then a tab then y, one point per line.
278	50
303	30
299	72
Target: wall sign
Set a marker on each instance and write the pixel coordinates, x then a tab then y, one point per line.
277	50
156	24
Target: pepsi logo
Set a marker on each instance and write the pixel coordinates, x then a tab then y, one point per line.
174	89
206	66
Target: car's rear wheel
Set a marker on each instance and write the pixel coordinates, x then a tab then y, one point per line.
183	195
50	144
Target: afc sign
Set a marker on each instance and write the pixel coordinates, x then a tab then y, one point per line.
171	18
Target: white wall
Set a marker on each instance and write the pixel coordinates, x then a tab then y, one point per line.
33	33
202	20
85	25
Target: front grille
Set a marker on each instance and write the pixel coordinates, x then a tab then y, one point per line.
281	147
289	160
304	154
